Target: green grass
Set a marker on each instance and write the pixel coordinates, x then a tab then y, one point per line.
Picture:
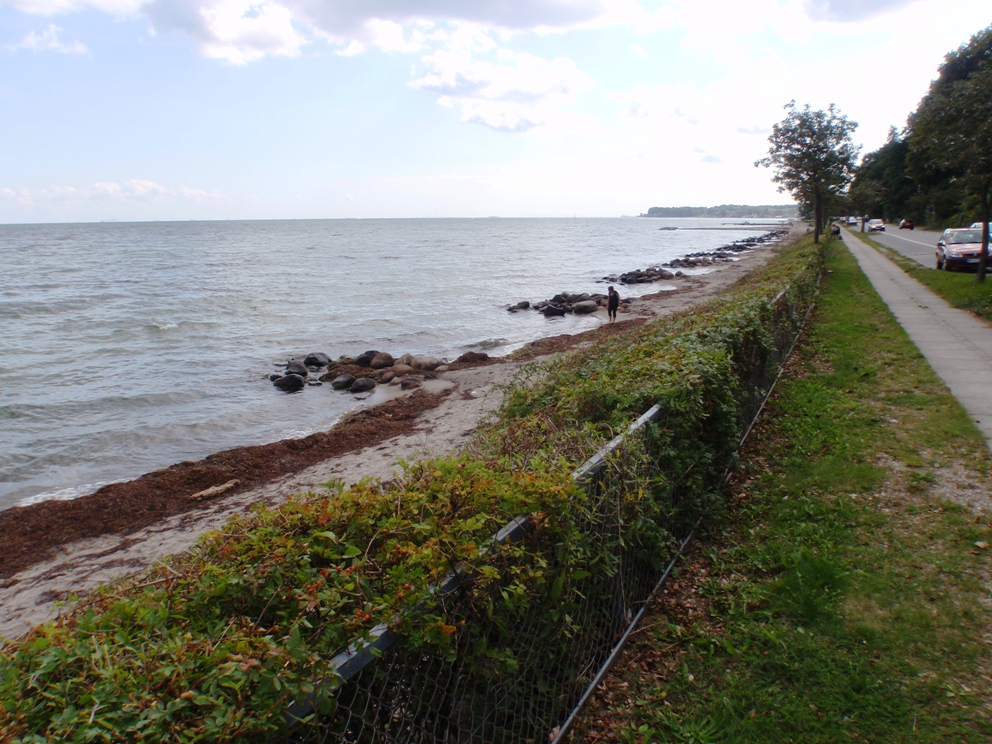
842	599
959	289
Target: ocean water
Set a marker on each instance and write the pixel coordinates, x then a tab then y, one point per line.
126	347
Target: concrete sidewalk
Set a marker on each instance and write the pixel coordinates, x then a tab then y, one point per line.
956	344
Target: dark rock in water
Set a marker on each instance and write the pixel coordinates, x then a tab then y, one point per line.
382	360
274	376
365	359
342	382
585	307
410	381
552	311
523	305
317	359
472	357
362	384
582	297
559	299
290	383
296	367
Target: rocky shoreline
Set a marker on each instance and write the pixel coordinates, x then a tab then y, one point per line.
585	303
363	373
53	549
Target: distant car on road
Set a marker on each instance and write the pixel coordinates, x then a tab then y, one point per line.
907	225
876	226
958	248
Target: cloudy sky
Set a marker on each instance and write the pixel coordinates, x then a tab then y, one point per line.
218	109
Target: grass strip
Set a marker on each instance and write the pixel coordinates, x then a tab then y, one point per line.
845	597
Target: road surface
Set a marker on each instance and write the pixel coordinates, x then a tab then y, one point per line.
918	245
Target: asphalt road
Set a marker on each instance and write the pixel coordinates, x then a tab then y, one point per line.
919	245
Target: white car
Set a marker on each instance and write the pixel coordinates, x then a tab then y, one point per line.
876	226
975	226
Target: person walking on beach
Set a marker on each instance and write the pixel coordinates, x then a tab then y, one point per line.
612	303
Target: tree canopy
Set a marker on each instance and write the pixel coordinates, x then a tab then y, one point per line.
813	157
951	129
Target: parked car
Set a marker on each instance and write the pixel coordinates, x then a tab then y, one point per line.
876	226
907	225
976	225
958	248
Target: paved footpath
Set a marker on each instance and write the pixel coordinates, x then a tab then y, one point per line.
957	344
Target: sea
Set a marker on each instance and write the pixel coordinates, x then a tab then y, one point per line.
127	347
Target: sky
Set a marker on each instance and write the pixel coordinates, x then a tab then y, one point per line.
258	109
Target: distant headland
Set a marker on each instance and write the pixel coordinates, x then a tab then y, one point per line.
784	211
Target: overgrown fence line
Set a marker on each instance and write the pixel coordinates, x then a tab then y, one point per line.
386	693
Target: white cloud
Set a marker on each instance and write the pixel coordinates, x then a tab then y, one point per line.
639	50
49	41
53	7
754	130
514	93
236	31
346	18
851	10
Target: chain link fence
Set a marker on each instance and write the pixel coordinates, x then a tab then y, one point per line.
541	664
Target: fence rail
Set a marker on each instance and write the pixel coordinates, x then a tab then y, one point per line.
550	661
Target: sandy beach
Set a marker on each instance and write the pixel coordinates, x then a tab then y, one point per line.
54	549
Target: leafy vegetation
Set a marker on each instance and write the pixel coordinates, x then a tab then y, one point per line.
726	210
938	170
813	157
218	643
952	127
843	596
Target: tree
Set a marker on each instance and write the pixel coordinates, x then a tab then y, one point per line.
887	165
813	157
866	194
951	130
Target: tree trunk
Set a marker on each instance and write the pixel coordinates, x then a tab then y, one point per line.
983	256
817	220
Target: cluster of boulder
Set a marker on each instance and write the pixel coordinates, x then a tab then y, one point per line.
583	303
362	373
723	254
579	303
